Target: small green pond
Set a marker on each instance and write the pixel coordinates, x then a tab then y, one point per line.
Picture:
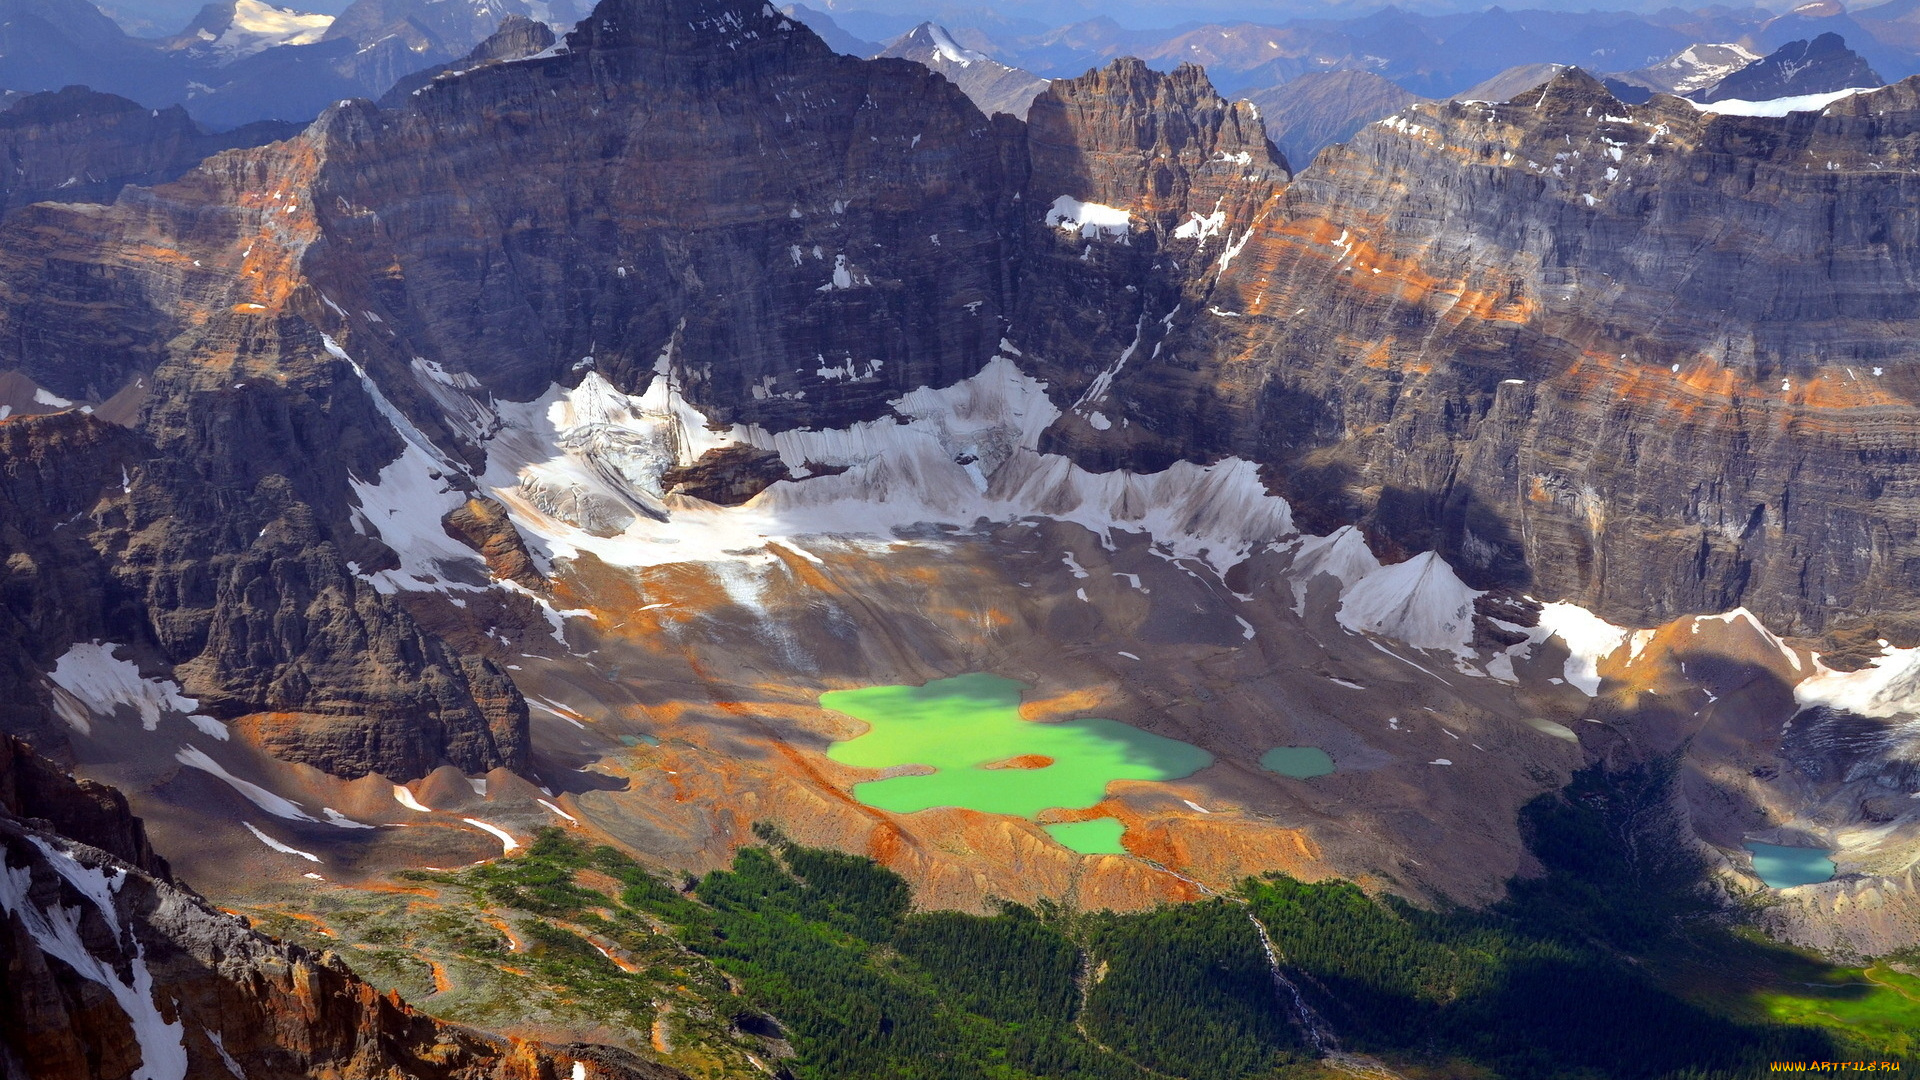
1101	836
959	727
1299	762
1784	867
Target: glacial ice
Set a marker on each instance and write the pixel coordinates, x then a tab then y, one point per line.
1779	106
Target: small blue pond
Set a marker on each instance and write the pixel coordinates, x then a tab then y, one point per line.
1784	867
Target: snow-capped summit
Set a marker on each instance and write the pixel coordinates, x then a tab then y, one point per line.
1695	67
993	86
235	29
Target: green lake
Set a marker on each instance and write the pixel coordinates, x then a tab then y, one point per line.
1101	836
1299	762
960	726
1784	867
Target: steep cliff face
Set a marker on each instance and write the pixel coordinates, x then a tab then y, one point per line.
219	525
113	971
704	178
1513	332
1140	186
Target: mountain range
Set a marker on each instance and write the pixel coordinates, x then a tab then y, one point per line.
1465	510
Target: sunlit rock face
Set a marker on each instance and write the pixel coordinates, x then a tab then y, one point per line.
1514	333
548	382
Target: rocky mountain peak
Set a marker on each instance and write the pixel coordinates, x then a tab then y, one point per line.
1569	91
934	36
1127	135
993	86
680	31
1798	67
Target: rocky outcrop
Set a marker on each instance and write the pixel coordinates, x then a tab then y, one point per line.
1794	69
727	476
113	971
483	525
242	594
84	811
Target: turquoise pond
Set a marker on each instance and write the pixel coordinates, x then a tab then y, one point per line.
1299	762
1101	836
1784	867
978	753
981	755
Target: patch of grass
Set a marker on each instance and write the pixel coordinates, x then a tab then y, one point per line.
556	980
1877	1005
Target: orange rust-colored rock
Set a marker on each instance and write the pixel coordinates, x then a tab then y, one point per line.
483	525
1020	761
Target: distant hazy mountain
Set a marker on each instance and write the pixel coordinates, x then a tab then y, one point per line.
831	32
1693	68
1433	55
241	61
447	27
1514	80
1809	21
75	145
993	86
1798	67
517	37
235	29
1896	23
1321	108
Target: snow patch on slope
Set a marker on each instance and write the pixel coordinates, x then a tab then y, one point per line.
1779	106
1589	640
284	849
405	504
1089	219
56	930
1888	688
102	683
952	51
195	758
